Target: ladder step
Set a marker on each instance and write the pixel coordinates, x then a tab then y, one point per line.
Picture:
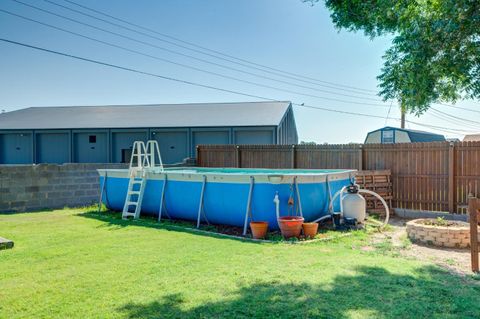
132	203
134	192
127	214
137	181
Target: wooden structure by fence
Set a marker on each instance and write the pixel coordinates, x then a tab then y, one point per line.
379	182
425	176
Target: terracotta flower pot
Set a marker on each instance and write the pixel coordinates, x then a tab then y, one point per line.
259	229
290	226
310	229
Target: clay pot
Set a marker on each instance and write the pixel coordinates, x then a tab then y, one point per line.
290	226
310	229
259	229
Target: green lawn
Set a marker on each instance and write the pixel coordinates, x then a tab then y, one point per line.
67	264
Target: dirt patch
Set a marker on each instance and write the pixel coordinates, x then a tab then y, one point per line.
453	259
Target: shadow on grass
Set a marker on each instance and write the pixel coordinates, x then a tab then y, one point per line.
114	220
372	292
32	211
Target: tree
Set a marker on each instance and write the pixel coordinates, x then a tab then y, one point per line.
307	143
435	52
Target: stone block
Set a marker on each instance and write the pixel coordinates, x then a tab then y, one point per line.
442	239
92	192
449	244
32	189
79	193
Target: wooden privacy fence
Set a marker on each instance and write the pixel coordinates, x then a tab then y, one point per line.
426	176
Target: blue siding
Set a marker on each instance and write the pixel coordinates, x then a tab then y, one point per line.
254	137
53	147
174	145
111	145
90	147
16	148
210	136
122	141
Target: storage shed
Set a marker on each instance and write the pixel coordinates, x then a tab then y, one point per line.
105	134
392	135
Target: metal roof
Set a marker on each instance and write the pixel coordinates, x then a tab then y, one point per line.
154	115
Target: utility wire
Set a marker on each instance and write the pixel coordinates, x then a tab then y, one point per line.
388	114
187	55
459	107
185	65
202	85
202	60
456	118
343	87
446	119
211	50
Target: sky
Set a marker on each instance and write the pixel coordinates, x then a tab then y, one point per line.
338	68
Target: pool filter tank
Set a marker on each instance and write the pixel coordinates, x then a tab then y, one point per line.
354	205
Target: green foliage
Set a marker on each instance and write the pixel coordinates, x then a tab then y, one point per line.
435	52
70	264
440	221
307	143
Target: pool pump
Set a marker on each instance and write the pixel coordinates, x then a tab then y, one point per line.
353	207
354	204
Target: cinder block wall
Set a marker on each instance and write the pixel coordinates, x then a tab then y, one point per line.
44	186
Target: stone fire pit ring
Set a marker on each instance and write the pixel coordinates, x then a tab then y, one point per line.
455	235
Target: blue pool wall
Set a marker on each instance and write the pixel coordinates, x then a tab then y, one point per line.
224	203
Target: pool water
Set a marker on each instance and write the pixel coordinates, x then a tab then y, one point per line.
247	171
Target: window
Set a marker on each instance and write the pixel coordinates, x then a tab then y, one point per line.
92	139
387	137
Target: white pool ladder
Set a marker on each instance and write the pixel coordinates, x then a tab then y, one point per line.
143	158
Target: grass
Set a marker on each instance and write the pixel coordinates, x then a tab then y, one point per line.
70	264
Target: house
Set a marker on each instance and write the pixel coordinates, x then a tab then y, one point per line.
392	135
105	134
471	138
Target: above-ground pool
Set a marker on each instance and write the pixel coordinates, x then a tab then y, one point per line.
227	191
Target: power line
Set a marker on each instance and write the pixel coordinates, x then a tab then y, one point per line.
456	118
344	87
459	107
449	121
202	60
190	56
184	65
388	114
441	128
205	48
201	85
133	70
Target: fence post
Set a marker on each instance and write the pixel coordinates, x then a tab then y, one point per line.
293	156
197	156
237	156
451	178
360	158
473	209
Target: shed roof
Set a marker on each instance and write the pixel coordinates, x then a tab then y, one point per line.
471	138
415	135
153	115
